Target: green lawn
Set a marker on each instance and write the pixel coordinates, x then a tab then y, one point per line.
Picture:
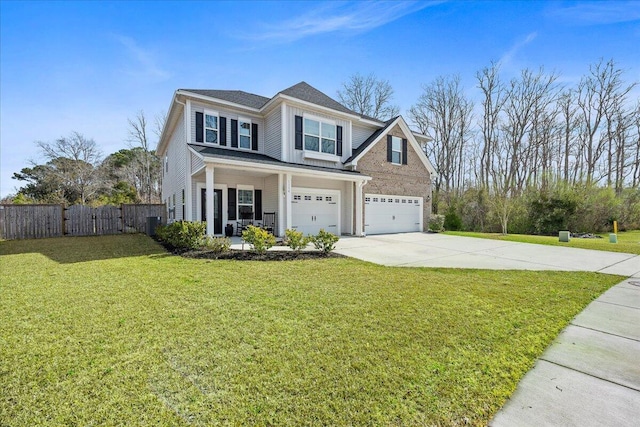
113	331
628	241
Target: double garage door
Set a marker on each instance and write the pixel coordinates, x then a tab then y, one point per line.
315	209
392	214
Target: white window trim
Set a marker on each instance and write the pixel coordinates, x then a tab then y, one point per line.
253	198
204	126
396	151
310	153
245	120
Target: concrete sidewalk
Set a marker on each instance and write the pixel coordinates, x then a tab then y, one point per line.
441	250
590	375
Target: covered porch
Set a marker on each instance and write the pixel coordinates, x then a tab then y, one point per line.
237	189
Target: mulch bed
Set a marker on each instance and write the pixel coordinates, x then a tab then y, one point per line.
239	255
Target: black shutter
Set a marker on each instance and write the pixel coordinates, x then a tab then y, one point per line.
254	136
298	133
199	127
234	133
339	141
223	131
389	149
404	151
231	202
258	205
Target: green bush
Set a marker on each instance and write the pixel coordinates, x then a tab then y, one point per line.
296	240
182	235
436	223
324	241
452	221
259	239
217	245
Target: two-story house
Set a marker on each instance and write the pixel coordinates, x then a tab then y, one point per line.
301	155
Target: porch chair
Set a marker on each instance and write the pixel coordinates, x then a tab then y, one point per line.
246	219
269	221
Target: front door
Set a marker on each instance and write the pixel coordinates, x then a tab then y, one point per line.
217	209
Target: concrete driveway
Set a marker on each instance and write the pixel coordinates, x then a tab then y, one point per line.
590	375
441	250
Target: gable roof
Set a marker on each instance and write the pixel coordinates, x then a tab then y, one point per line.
236	96
306	92
362	147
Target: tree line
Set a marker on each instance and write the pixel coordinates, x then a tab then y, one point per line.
74	171
527	154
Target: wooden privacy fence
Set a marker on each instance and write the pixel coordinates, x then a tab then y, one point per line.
38	221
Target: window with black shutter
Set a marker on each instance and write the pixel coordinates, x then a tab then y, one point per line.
254	136
234	133
298	133
231	202
199	127
339	141
258	205
223	131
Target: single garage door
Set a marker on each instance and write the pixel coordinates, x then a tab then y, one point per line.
385	214
315	209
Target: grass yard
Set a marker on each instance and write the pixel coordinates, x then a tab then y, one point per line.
628	241
113	331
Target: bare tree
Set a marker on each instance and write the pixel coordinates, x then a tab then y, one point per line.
146	159
79	155
369	96
444	113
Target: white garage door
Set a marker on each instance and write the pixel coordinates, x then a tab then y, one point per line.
315	209
392	214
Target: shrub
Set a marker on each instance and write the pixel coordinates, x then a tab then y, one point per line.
452	220
259	239
324	241
296	240
182	235
217	245
436	223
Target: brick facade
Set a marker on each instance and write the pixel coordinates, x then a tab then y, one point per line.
412	179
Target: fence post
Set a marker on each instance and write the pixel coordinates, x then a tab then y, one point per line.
64	223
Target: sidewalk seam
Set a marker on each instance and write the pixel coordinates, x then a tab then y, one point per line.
591	375
603	332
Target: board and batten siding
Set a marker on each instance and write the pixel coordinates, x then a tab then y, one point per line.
361	134
297	156
273	134
229	115
173	180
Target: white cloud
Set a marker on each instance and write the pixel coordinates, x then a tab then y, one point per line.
339	17
144	60
508	56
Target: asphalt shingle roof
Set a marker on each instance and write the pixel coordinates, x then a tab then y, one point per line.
236	96
252	156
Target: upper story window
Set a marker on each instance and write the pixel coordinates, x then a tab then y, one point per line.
211	127
396	150
319	136
244	133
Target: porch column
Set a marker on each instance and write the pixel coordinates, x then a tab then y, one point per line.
359	205
282	191
209	191
289	198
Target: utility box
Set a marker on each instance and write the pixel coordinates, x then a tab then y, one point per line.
613	238
564	236
152	223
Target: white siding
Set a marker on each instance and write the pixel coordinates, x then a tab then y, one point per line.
228	114
296	156
273	135
174	179
196	163
361	133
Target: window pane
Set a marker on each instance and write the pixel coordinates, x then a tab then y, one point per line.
328	146
328	131
211	122
311	127
245	128
245	141
311	143
396	143
212	136
245	197
396	157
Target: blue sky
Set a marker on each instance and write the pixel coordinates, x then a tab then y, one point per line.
88	66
